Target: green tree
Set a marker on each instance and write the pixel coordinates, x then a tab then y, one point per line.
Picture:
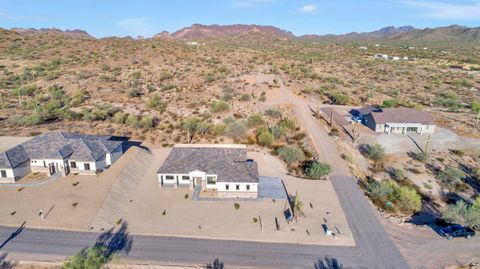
91	258
236	130
291	154
407	199
463	214
190	126
318	170
265	139
390	103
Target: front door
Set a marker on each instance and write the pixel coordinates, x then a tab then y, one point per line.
51	168
198	181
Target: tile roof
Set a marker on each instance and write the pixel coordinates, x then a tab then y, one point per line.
60	145
13	157
366	110
230	164
402	115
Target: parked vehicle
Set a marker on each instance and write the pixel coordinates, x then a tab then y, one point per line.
357	119
457	231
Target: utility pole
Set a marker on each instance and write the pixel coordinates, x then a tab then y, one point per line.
428	144
331	117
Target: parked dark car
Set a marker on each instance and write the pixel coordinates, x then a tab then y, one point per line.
457	231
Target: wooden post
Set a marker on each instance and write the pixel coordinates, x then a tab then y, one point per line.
428	144
331	117
478	118
261	223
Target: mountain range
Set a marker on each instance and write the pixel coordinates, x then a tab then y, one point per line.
199	31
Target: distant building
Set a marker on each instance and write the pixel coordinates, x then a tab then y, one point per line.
396	120
223	168
60	152
363	48
381	56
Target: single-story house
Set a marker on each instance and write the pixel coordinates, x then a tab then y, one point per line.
60	152
223	168
399	121
361	112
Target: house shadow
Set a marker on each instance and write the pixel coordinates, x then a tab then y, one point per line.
328	263
137	144
216	264
13	235
116	241
5	264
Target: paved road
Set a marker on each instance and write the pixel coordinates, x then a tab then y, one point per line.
374	248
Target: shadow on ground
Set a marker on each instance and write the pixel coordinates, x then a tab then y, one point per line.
13	235
4	264
116	241
216	264
328	263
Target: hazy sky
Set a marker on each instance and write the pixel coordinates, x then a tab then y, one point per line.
141	17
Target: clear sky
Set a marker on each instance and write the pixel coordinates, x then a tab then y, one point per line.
147	17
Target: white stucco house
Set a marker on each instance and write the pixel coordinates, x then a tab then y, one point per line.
396	120
223	168
62	153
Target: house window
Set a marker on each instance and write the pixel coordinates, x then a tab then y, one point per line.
211	180
248	187
3	173
237	187
185	178
86	166
227	187
73	164
169	177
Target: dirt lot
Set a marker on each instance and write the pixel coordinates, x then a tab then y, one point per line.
442	140
8	142
57	199
143	208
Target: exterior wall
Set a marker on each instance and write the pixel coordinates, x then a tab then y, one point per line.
428	129
81	168
22	170
10	176
37	165
114	156
221	187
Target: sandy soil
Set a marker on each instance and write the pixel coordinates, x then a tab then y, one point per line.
8	142
143	208
58	197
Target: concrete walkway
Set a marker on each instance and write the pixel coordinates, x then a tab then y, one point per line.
50	179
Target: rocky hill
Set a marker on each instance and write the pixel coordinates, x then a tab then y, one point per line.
52	31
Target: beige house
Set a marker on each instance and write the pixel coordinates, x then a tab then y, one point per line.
397	120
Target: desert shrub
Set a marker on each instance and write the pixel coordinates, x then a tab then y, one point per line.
288	123
388	193
463	214
278	131
273	113
317	170
236	130
339	98
79	97
390	103
291	154
146	122
420	156
475	107
119	117
157	103
265	139
219	129
219	106
245	97
375	152
132	120
451	177
397	174
255	120
132	93
209	78
28	90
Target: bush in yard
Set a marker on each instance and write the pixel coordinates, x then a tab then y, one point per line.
291	154
463	214
146	122
245	97
405	198
265	139
236	130
273	113
278	131
219	129
408	200
317	170
375	153
420	156
397	174
389	103
119	117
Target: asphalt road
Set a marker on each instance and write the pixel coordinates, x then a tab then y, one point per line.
374	249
